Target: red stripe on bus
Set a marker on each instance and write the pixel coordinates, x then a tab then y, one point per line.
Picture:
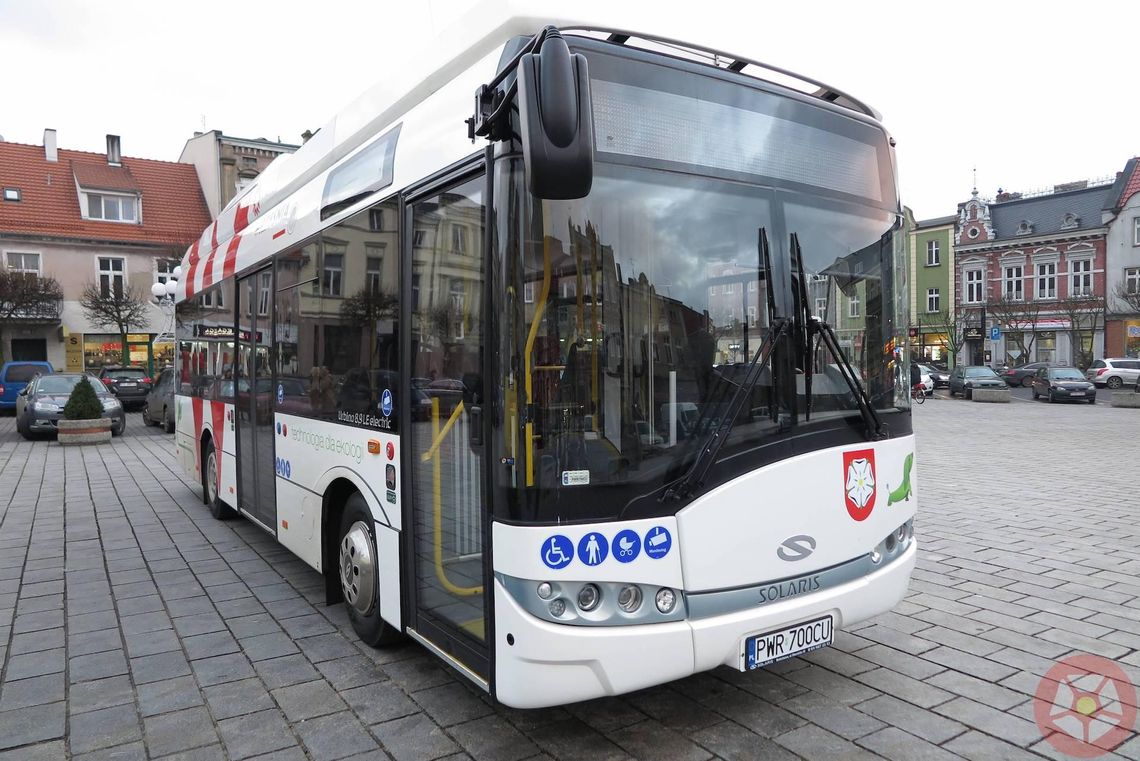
241	218
196	406
231	257
278	234
218	418
214	236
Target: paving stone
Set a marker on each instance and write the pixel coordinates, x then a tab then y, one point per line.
45	751
255	733
96	666
34	642
814	742
168	695
100	693
990	720
335	736
832	716
893	743
103	728
451	704
221	668
180	730
265	646
651	739
133	751
415	737
380	702
282	672
94	642
308	700
326	647
152	642
35	664
977	746
37	690
916	721
237	698
33	724
163	666
210	644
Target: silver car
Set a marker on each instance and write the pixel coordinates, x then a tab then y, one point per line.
1114	373
40	405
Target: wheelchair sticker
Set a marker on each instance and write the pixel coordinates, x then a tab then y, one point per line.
557	551
627	546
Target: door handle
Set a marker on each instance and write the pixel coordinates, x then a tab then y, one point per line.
475	421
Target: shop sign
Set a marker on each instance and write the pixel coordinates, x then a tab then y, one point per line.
138	338
974	334
1048	335
222	331
73	347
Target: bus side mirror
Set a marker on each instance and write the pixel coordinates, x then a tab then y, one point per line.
556	121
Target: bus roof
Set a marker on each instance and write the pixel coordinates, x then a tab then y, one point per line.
284	201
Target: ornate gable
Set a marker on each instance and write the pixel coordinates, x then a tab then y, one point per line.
974	225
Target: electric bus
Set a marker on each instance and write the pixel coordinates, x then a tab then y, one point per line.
582	362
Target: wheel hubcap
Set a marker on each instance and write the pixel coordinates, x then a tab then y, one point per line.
212	476
358	568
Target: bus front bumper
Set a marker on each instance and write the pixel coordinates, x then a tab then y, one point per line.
553	664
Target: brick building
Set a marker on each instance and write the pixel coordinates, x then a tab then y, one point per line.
1122	215
1033	267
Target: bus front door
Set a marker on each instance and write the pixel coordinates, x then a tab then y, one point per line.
446	558
253	398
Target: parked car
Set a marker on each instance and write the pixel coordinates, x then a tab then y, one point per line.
158	409
1063	384
40	405
1024	375
1115	372
940	378
963	380
14	376
130	383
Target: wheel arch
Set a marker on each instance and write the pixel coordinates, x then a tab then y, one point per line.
336	487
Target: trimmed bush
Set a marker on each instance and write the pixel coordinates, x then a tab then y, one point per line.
83	404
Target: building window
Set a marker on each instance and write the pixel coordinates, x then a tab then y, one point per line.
1014	288
12	194
458	239
1025	228
1047	280
29	264
1136	231
1070	222
372	268
853	307
112	208
213	299
415	291
821	308
265	288
332	275
751	286
1081	270
751	317
419	238
973	286
376	220
933	300
1132	280
112	276
932	259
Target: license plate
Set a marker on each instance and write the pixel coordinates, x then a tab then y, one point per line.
779	645
127	385
1076	393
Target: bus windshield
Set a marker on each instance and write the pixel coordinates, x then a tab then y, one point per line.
635	312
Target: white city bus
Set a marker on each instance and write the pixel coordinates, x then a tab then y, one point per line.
601	389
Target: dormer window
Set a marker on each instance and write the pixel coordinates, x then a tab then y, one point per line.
1071	221
112	208
1025	228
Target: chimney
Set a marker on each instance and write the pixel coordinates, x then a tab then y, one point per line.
114	154
51	151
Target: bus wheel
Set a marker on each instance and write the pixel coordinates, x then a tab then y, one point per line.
359	579
210	466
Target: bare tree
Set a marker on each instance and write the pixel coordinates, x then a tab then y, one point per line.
118	308
951	323
365	309
1018	318
1083	313
26	297
1130	298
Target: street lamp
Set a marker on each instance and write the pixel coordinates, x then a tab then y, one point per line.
164	293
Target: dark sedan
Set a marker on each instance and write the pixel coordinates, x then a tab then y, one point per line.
40	405
1024	375
963	380
1060	384
940	378
130	384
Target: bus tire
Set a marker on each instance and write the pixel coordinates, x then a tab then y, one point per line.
210	495
359	576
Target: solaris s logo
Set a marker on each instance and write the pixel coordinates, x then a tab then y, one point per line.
796	548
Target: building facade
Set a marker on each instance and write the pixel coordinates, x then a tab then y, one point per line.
1030	276
227	164
1122	215
931	263
107	221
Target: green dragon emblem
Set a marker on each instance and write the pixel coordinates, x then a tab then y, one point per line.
903	492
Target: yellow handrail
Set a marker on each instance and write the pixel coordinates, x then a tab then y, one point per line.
539	310
437	498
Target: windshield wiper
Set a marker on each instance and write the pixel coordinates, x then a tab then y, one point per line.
694	477
812	324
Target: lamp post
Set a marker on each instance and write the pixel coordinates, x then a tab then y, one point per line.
164	293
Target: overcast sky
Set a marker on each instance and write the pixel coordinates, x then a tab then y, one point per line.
1031	93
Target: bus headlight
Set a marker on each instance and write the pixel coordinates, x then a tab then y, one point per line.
666	599
588	597
629	598
557	607
545	590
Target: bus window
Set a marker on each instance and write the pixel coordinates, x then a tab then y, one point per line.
206	344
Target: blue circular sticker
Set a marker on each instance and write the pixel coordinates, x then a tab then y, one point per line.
557	551
386	403
657	542
593	548
627	545
280	392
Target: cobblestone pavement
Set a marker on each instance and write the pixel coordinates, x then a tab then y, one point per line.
133	625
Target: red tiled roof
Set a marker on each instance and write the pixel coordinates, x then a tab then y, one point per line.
173	209
103	176
1131	187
